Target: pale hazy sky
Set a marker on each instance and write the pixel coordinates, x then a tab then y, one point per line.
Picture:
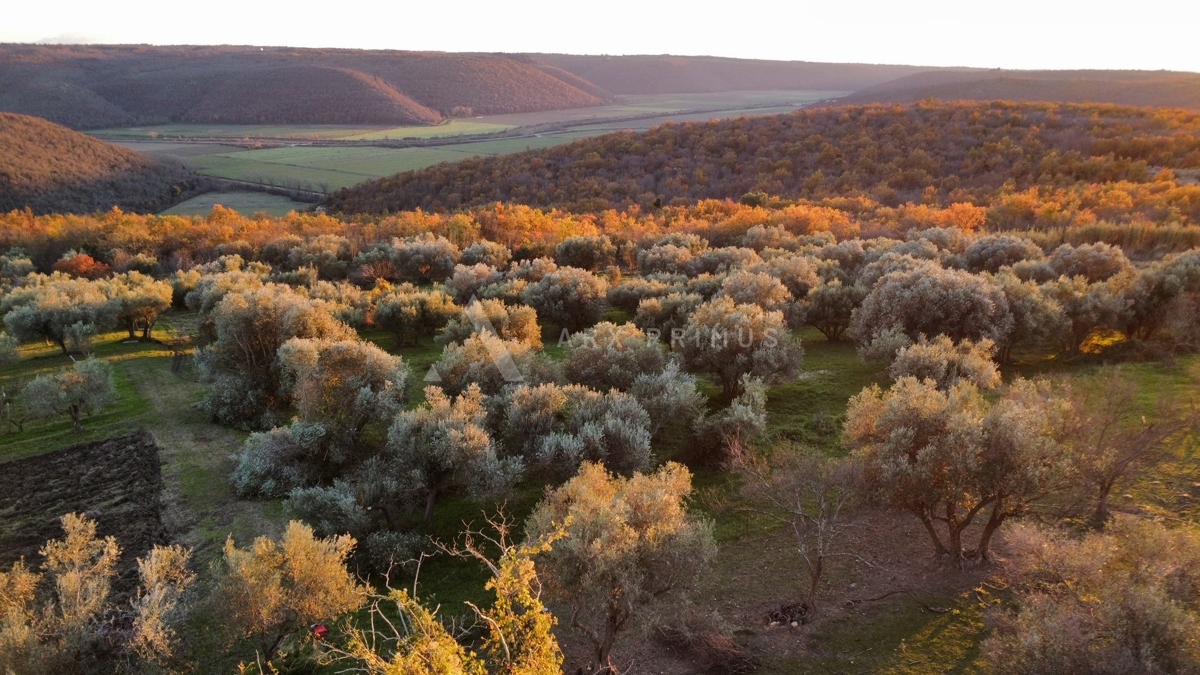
1151	35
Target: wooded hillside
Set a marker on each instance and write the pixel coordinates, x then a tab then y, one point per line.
49	169
925	153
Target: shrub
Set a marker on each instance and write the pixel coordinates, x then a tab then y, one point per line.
508	322
586	252
947	363
629	541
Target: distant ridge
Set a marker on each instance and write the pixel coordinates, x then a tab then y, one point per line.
91	86
1122	87
98	86
51	169
667	74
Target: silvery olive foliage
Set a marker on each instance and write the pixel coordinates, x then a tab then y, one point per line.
731	340
610	356
933	301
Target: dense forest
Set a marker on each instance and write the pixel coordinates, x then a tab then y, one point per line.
49	169
1032	163
1129	87
666	74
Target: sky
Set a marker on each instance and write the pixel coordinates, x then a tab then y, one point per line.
1054	34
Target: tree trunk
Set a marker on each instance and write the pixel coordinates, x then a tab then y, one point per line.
75	419
1100	515
430	498
939	548
814	574
993	524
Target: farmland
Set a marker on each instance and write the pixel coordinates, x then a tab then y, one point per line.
243	202
330	157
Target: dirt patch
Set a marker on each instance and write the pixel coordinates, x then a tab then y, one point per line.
868	607
117	482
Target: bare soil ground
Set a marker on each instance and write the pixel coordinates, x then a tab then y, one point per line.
931	614
117	482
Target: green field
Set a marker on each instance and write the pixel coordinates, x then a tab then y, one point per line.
325	168
629	106
333	167
243	202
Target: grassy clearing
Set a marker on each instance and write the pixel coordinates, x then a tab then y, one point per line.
241	131
453	127
244	202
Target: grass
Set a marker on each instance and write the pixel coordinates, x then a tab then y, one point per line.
244	202
334	167
810	410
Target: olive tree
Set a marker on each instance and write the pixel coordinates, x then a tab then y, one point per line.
81	390
444	445
948	457
586	252
630	543
486	253
53	308
1122	601
482	359
731	340
728	434
947	363
570	297
241	361
668	396
992	252
830	307
8	349
469	280
611	356
1094	262
423	259
764	290
138	300
666	316
933	301
1037	316
1152	295
409	313
1086	308
343	385
556	427
508	322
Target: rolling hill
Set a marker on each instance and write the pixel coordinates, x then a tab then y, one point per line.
947	151
51	169
1137	88
89	87
667	74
